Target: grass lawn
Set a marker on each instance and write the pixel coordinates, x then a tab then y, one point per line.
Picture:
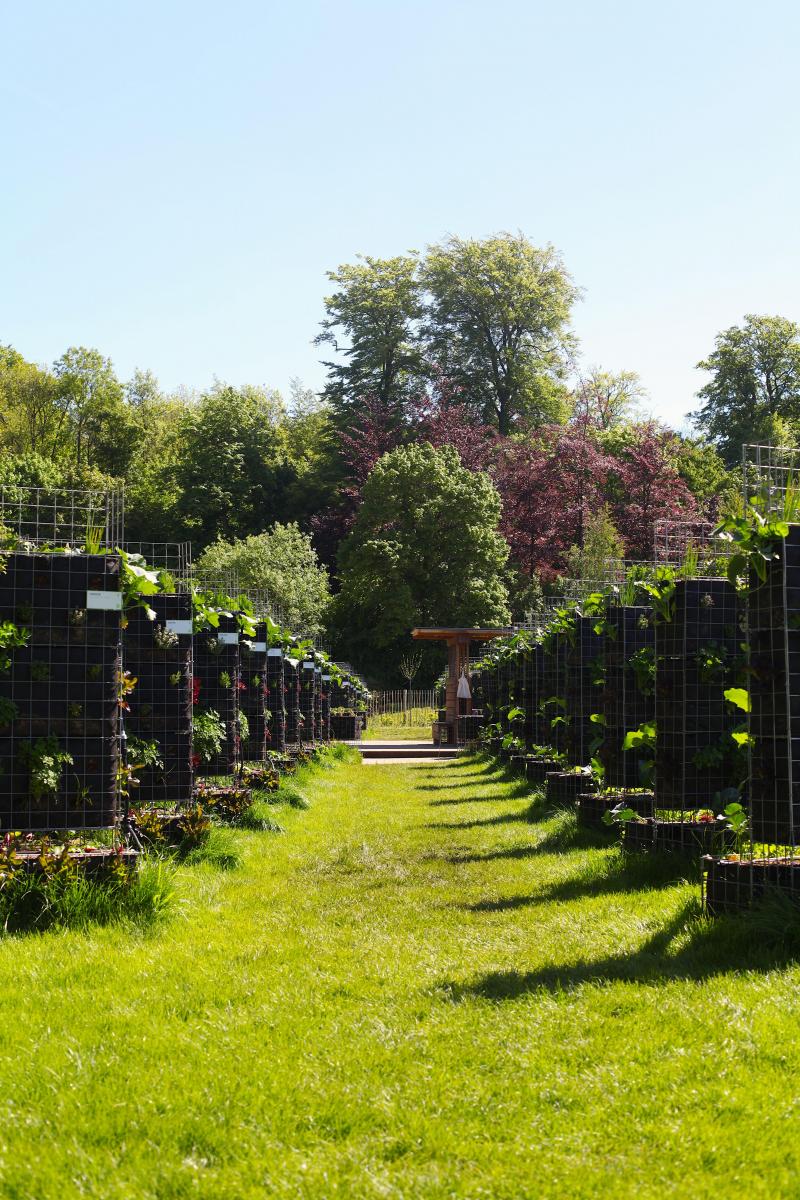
396	733
425	987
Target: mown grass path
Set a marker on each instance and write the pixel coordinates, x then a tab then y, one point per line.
427	987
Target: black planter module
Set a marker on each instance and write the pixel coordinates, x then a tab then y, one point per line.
625	704
692	716
275	701
63	684
252	693
216	675
159	654
291	692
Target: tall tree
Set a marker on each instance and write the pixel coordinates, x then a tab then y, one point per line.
33	412
604	399
424	549
497	324
755	380
233	473
103	429
371	321
282	565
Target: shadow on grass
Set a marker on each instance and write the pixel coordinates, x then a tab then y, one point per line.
516	793
567	835
623	873
525	815
763	939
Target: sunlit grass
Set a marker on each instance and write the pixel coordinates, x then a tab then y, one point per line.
428	986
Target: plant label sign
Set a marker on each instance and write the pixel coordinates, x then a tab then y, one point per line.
228	639
179	627
258	647
274	654
110	601
308	666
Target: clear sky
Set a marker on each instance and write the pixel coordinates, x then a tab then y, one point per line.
177	176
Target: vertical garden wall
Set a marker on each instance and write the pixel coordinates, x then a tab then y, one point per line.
252	694
275	701
157	652
291	691
628	692
583	679
698	657
61	690
215	689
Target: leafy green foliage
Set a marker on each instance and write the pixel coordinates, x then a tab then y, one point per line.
208	734
424	550
282	566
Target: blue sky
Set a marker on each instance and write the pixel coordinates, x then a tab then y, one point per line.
177	177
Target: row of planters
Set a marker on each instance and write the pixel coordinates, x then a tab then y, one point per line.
633	707
125	704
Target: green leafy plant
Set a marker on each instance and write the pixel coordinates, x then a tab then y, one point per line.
11	638
8	711
45	761
756	539
208	734
143	754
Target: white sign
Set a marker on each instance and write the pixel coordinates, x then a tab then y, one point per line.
274	653
179	627
308	666
258	647
228	639
111	601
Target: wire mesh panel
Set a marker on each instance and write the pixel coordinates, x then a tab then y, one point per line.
291	691
583	668
215	684
552	702
774	639
305	725
698	656
317	704
158	654
59	696
252	695
628	691
275	701
769	474
173	557
325	707
90	519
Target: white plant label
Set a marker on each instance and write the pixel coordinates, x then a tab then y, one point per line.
110	601
258	647
228	639
179	627
274	654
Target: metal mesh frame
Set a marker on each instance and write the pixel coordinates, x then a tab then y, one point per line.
160	658
64	685
213	659
768	473
172	557
252	693
625	705
291	691
693	719
583	696
40	517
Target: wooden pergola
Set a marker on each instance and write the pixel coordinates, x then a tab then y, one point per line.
458	641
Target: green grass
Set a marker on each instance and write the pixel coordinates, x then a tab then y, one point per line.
427	986
394	726
396	733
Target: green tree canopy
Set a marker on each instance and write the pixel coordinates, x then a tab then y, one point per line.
282	565
103	428
497	325
754	386
424	550
371	320
233	472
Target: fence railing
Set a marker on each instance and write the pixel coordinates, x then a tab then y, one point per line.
401	700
